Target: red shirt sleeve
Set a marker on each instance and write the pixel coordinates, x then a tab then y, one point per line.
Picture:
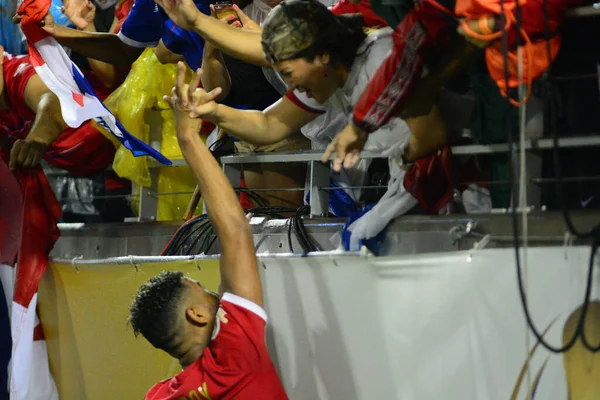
239	338
17	72
371	19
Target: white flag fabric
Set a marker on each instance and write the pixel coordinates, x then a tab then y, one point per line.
78	101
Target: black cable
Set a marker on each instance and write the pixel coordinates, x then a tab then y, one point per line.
289	235
594	232
210	245
306	240
183	239
579	331
177	239
206	228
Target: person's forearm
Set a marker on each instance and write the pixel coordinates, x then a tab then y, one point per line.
215	73
166	56
105	47
247	125
48	123
238	43
223	206
110	75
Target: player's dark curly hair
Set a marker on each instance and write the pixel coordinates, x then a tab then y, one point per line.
153	312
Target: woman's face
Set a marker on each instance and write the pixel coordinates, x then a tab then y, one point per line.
315	78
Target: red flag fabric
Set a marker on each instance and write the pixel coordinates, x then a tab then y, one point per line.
31	217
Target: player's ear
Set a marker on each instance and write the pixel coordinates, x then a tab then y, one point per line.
196	316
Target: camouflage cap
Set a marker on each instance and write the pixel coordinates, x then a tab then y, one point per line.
292	26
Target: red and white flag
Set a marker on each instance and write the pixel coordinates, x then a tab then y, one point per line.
78	101
26	237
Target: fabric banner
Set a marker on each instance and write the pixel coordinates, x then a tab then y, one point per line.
420	327
26	238
431	326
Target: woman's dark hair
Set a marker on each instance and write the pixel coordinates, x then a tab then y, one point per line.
153	312
340	40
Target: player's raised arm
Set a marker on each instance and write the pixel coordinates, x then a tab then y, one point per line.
239	273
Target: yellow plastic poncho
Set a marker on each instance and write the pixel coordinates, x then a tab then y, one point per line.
139	105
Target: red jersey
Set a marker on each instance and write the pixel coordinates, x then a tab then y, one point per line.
236	365
82	151
370	18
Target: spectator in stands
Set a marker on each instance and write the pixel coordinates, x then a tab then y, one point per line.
326	60
425	31
145	26
219	339
32	127
243	86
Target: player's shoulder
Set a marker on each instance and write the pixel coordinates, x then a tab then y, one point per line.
233	303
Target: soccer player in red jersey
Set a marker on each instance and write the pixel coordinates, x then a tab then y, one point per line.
219	339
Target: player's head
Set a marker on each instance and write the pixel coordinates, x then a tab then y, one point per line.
310	46
175	314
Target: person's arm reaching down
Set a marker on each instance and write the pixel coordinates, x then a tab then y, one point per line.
166	56
243	44
105	47
215	73
214	70
81	13
279	121
47	125
239	272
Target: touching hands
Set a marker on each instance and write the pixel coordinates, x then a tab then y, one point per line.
347	146
80	12
191	103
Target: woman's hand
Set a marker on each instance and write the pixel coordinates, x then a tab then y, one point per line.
346	146
182	12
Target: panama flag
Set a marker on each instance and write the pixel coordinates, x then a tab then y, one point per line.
27	238
78	100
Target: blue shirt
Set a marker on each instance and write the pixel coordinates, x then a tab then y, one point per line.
147	23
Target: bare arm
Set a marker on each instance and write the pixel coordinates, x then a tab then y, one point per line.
243	44
47	125
166	56
105	47
110	75
260	128
239	272
215	73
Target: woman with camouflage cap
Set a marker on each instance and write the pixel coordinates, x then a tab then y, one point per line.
327	61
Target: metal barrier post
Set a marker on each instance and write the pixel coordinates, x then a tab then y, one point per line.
233	172
319	198
148	210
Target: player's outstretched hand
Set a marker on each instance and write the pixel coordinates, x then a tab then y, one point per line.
191	103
